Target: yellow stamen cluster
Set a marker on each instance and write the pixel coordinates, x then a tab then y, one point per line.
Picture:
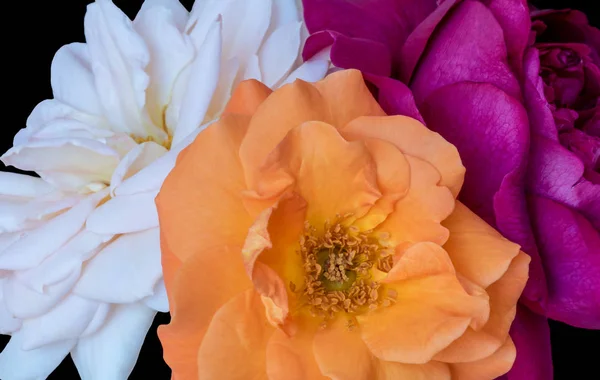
338	266
165	143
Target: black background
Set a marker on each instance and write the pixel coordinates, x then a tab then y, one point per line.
34	30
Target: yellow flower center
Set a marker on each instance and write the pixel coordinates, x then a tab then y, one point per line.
338	271
165	143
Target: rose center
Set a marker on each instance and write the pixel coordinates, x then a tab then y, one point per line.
339	264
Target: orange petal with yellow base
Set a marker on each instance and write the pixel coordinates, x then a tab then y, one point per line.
332	175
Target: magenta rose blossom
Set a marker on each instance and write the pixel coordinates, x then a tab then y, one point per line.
517	93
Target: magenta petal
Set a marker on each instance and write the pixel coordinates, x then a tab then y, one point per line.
569	26
513	16
540	115
417	41
469	46
531	335
558	174
351	53
490	130
394	97
570	249
388	22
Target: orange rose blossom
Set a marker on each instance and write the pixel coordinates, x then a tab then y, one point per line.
307	235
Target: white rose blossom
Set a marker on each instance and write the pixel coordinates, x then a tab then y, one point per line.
80	269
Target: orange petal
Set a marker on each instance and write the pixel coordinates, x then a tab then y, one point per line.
504	294
333	176
400	371
203	283
413	138
285	109
347	97
270	253
478	251
213	215
421	259
336	100
429	313
292	357
286	226
341	354
234	346
393	180
247	97
418	215
491	367
170	264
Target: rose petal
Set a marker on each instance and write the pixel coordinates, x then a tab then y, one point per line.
67	320
16	363
120	57
569	245
23	302
72	78
111	352
38	244
187	111
278	53
468	47
126	270
124	214
160	24
238	331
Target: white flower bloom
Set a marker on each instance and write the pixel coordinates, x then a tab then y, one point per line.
80	265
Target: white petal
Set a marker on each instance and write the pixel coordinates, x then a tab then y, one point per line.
137	159
23	302
252	70
151	177
170	52
119	57
52	110
279	52
20	185
112	351
148	179
124	214
309	71
70	129
8	323
284	12
63	262
202	16
6	239
86	159
124	271
201	84
67	320
98	320
158	301
72	78
121	143
245	24
38	244
19	215
180	14
18	364
229	73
